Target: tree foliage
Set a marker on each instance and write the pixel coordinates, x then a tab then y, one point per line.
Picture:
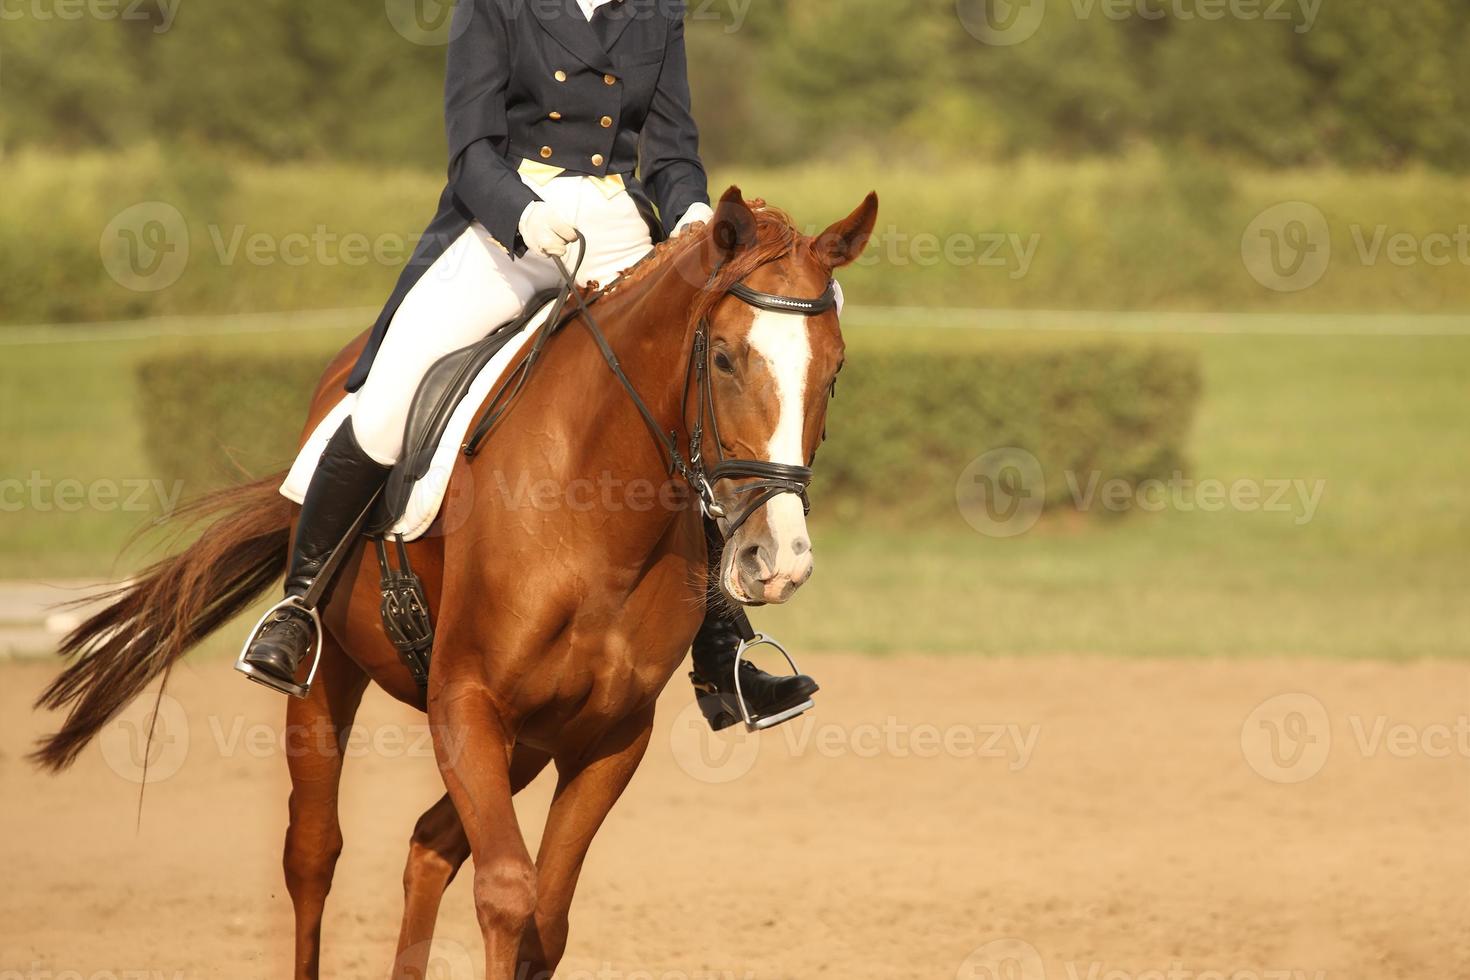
1268	82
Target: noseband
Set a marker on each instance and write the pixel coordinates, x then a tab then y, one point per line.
768	479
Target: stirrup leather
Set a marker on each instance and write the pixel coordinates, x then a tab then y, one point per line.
261	677
755	723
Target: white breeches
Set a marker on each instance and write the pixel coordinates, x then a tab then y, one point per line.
474	287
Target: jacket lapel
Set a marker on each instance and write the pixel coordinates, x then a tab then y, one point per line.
618	14
565	22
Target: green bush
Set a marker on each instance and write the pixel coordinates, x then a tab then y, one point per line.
902	429
907	422
1149	233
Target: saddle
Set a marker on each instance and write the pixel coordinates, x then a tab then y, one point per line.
441	413
442	389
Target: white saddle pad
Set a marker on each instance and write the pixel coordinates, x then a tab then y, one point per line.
428	492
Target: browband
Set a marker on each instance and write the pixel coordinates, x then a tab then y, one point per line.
786	304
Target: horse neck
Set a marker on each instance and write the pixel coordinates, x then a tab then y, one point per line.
648	327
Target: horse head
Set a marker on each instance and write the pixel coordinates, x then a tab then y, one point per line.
770	368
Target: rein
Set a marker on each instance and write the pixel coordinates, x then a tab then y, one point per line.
769	479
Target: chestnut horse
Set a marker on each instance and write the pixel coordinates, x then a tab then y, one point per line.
557	624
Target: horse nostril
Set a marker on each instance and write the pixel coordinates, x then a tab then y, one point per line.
749	561
801	545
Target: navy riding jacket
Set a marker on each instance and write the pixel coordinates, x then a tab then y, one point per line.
534	79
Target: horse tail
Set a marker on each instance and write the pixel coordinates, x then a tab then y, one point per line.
149	623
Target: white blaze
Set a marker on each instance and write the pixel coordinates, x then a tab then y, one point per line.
782	341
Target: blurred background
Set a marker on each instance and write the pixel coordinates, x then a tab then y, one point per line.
1161	346
1141	530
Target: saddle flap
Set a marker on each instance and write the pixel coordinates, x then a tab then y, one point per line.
440	393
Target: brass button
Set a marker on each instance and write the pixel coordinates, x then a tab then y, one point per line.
606	122
545	152
555	114
609	80
561	76
597	159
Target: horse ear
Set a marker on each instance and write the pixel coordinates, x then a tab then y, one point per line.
842	243
733	226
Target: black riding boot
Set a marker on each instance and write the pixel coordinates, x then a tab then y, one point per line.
345	482
714	667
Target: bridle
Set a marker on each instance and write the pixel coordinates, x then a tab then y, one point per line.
768	479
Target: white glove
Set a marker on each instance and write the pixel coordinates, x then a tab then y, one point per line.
697	212
544	230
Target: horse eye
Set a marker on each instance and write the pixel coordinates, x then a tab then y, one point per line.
722	361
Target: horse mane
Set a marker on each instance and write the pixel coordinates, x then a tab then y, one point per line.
776	237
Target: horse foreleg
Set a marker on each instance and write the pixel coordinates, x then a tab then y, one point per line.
473	746
435	852
587	787
316	731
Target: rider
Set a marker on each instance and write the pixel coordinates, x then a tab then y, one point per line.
545	105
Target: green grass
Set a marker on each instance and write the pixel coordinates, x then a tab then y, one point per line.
1379	570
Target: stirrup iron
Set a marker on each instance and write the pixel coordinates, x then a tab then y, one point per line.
759	722
274	683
